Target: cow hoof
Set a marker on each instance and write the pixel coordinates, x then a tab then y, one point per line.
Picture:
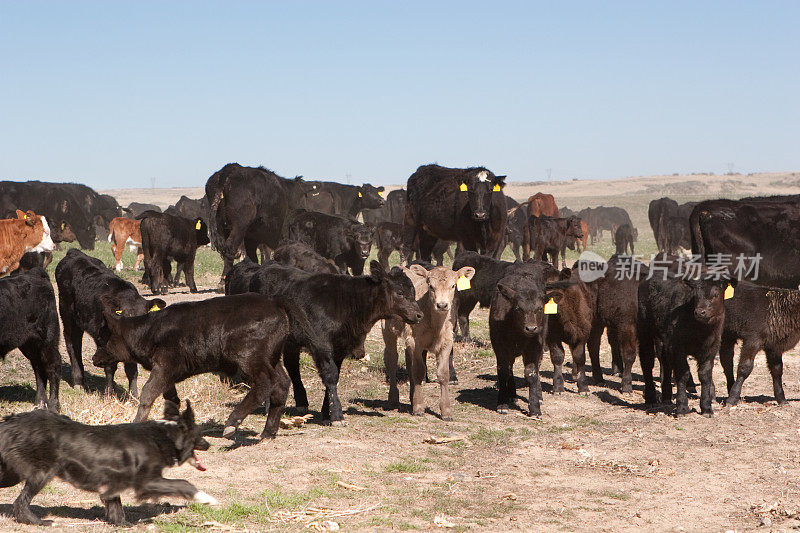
447	418
453	382
502	409
228	431
302	409
708	414
418	413
534	416
338	423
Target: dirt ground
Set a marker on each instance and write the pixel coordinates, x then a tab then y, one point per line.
596	462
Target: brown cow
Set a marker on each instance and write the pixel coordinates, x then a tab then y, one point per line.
542	204
122	231
27	233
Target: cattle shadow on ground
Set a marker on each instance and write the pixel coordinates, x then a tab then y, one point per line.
96	384
19	393
352	410
133	513
377	405
242	437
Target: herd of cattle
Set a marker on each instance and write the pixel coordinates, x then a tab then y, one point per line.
310	292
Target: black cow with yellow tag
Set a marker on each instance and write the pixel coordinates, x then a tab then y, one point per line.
82	280
166	238
519	315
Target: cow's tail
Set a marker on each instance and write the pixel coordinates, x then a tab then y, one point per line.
698	247
299	326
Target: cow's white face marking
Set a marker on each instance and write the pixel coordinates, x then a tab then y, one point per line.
46	244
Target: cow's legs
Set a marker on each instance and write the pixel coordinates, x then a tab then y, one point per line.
775	363
73	339
291	360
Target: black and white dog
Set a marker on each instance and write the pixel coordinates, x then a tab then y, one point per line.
38	446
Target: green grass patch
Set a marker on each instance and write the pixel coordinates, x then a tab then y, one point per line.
492	436
407	466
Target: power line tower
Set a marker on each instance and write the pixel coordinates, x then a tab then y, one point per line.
152	183
730	168
549	172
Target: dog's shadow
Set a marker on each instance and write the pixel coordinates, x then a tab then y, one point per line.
133	514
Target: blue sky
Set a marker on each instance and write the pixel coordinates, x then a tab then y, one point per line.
113	94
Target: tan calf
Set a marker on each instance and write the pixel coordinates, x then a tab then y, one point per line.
26	233
122	231
435	292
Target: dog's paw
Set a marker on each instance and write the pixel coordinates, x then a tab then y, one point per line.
207	499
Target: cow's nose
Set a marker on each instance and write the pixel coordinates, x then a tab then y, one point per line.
418	316
481	215
531	329
442	305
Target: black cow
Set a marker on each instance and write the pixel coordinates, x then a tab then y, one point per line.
31	260
135	209
685	317
342	309
340	239
769	227
624	237
602	218
464	205
227	334
388	238
302	256
670	223
515	228
616	307
550	236
66	214
29	321
167	237
350	200
518	326
763	318
82	281
249	207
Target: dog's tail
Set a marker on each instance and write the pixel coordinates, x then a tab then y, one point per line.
300	328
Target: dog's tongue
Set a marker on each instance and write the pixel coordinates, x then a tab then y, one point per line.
195	462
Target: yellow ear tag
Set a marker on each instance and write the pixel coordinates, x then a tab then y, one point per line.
63	225
551	307
463	283
360	195
118	311
196	226
154	308
463	187
380	193
496	188
728	292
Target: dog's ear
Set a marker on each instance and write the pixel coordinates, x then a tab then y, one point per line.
171	411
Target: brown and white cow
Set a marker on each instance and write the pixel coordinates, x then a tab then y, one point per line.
122	231
26	233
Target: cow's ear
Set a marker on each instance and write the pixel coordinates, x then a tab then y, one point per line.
500	180
419	270
156	304
111	310
501	303
381	189
555	290
565	273
466	272
21	215
376	271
